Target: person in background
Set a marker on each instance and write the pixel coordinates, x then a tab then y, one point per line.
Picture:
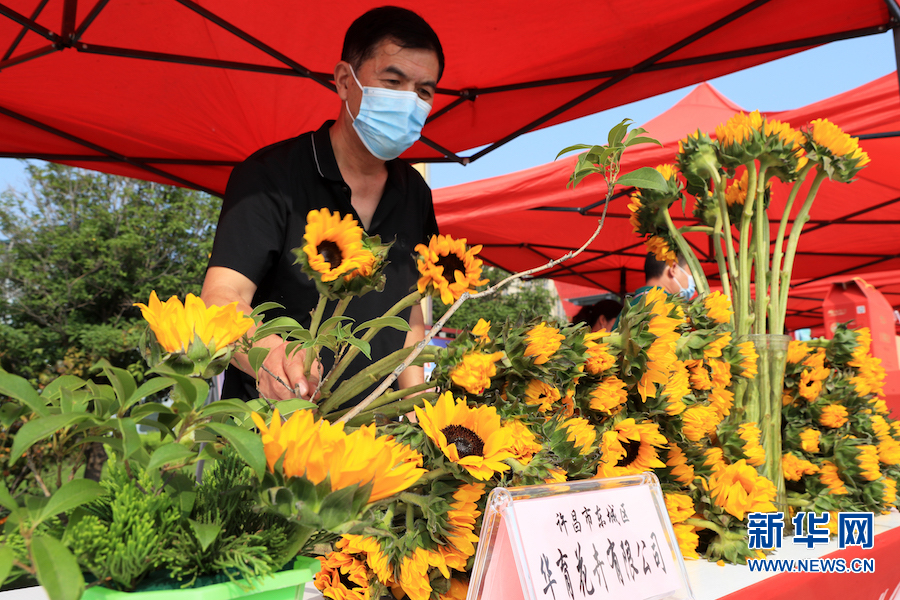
675	279
600	315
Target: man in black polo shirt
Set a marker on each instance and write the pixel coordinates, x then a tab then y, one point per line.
386	80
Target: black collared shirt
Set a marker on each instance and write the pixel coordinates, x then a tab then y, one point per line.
264	217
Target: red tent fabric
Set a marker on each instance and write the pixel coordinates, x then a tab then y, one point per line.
178	91
525	218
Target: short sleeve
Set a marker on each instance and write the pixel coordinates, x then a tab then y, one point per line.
251	228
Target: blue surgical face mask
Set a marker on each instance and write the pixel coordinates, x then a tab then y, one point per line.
389	121
688	292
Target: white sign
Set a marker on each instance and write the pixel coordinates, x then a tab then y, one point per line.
581	540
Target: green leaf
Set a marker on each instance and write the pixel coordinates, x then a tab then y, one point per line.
394	322
257	355
131	439
19	389
122	381
617	133
247	444
6	562
228	406
206	532
572	148
167	454
37	429
6	499
363	346
331	323
288	407
69	382
148	409
56	569
642	140
162	427
264	307
646	178
71	495
148	388
277	326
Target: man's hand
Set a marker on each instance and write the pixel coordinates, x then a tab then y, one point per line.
289	370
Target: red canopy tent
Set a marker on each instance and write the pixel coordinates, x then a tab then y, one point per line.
525	218
178	91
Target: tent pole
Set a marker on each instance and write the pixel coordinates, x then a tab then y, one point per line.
623	282
895	23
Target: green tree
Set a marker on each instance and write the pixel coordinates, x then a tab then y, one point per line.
77	251
525	299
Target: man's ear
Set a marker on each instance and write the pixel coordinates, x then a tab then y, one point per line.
343	78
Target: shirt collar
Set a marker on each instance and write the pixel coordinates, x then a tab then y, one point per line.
323	153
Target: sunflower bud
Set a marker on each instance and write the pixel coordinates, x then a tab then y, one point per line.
698	161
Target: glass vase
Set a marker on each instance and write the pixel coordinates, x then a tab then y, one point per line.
764	405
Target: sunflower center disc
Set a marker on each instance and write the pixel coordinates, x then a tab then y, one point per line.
452	263
331	253
467	441
631	453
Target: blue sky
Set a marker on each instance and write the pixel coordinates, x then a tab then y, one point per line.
779	85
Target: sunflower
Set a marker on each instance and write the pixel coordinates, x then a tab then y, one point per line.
630	448
889	496
375	558
881	427
739	128
414	575
543	342
543	395
556	475
660	356
889	451
833	416
682	470
810	385
794	468
721	400
449	268
721	373
462	516
739	489
525	444
718	307
699	377
334	246
714	348
482	331
473	373
829	476
342	577
827	134
867	458
677	387
736	193
581	433
755	453
714	459
680	507
797	352
659	247
609	396
176	326
748	359
473	438
598	357
635	208
809	440
688	540
699	421
319	450
458	590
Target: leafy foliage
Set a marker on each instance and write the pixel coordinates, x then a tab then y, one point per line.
528	299
77	251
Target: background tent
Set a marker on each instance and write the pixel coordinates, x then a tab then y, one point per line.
178	91
525	218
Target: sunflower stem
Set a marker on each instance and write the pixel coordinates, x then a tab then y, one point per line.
685	250
432	475
313	354
412	499
704	524
338	369
761	223
743	323
410	515
393	410
777	322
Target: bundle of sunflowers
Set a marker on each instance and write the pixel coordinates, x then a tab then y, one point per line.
841	450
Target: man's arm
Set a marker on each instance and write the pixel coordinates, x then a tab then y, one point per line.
413	375
223	286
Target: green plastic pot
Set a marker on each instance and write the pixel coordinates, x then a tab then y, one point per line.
284	585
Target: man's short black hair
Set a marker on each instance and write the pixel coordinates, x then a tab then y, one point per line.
402	26
589	314
654	268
